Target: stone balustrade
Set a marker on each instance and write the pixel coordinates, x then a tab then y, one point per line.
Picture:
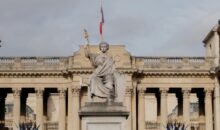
174	62
10	63
35	62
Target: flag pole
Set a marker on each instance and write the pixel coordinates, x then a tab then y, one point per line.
101	23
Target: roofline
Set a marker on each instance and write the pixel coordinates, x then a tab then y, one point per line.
216	28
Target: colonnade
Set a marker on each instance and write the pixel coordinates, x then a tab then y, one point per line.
186	108
73	104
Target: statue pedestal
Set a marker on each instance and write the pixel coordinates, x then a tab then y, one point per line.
103	116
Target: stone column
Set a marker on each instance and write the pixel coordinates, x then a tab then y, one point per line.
3	95
39	106
186	107
62	108
216	105
76	107
134	108
70	109
216	47
196	127
208	110
17	107
141	109
128	95
163	108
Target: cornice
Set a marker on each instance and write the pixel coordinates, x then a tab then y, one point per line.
88	71
177	74
24	74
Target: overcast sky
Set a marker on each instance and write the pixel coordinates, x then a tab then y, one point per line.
146	27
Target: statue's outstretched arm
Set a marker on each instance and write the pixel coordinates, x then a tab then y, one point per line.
87	46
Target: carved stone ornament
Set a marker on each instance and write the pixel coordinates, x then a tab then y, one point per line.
16	92
208	93
163	92
62	93
39	92
76	91
128	92
141	92
186	93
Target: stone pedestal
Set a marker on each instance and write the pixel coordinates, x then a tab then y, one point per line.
103	116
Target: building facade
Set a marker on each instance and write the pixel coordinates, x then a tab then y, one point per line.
51	90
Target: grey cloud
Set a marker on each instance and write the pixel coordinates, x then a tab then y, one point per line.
146	27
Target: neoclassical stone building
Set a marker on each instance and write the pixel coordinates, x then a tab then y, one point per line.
52	90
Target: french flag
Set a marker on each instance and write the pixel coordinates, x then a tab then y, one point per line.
101	21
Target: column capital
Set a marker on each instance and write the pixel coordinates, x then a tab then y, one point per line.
186	92
39	92
208	92
128	91
163	91
141	87
208	89
62	92
61	89
16	92
76	91
141	92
